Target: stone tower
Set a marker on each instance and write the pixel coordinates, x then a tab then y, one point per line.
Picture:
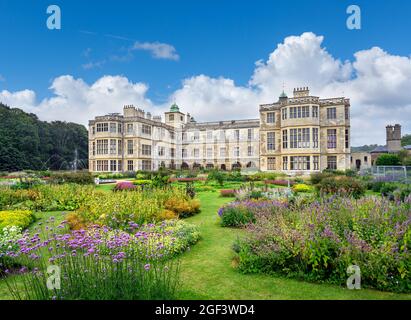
393	138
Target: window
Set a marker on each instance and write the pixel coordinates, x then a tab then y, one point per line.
293	138
331	113
172	135
222	152
93	129
119	147
284	114
347	113
113	144
299	112
270	163
306	138
270	117
209	135
184	153
316	163
365	159
315	111
113	127
184	136
209	153
237	135
161	151
146	165
113	165
120	128
332	162
250	134
300	163
172	153
146	129
130	128
196	136
102	146
130	165
171	117
196	153
285	139
222	135
250	151
347	138
102	127
236	151
120	165
332	138
315	137
94	148
102	165
285	163
146	150
270	141
130	149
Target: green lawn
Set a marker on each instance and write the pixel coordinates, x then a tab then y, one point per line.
208	271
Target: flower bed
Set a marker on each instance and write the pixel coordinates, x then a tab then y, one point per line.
16	218
320	241
227	193
100	263
283	183
187	179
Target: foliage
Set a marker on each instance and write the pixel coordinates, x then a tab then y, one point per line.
8	244
388	160
142	183
301	187
79	177
342	185
190	190
406	140
317	177
183	207
16	218
217	176
319	241
283	183
227	193
28	143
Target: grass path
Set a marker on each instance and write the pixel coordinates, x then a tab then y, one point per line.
208	271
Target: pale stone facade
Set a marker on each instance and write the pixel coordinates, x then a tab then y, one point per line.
299	134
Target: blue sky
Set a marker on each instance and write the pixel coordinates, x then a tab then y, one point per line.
215	38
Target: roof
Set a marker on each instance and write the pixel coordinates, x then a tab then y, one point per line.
380	149
174	108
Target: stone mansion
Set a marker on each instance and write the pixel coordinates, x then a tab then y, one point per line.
299	134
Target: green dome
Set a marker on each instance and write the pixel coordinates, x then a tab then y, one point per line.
283	95
174	108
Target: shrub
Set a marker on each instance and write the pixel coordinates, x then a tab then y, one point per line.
283	183
317	177
342	186
142	183
217	176
319	241
80	177
302	188
16	218
227	193
388	160
124	186
183	207
8	245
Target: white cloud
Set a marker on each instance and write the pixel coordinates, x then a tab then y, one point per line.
378	83
158	50
93	64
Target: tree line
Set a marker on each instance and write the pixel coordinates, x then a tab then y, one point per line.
26	143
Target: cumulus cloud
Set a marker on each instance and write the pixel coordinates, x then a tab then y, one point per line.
158	50
378	83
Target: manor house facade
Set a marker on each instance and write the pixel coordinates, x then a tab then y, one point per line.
299	134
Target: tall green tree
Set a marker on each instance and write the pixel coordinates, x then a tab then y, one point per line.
28	143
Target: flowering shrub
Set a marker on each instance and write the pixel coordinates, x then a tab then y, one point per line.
100	263
319	241
124	185
8	244
240	213
183	207
301	187
17	218
342	185
227	193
